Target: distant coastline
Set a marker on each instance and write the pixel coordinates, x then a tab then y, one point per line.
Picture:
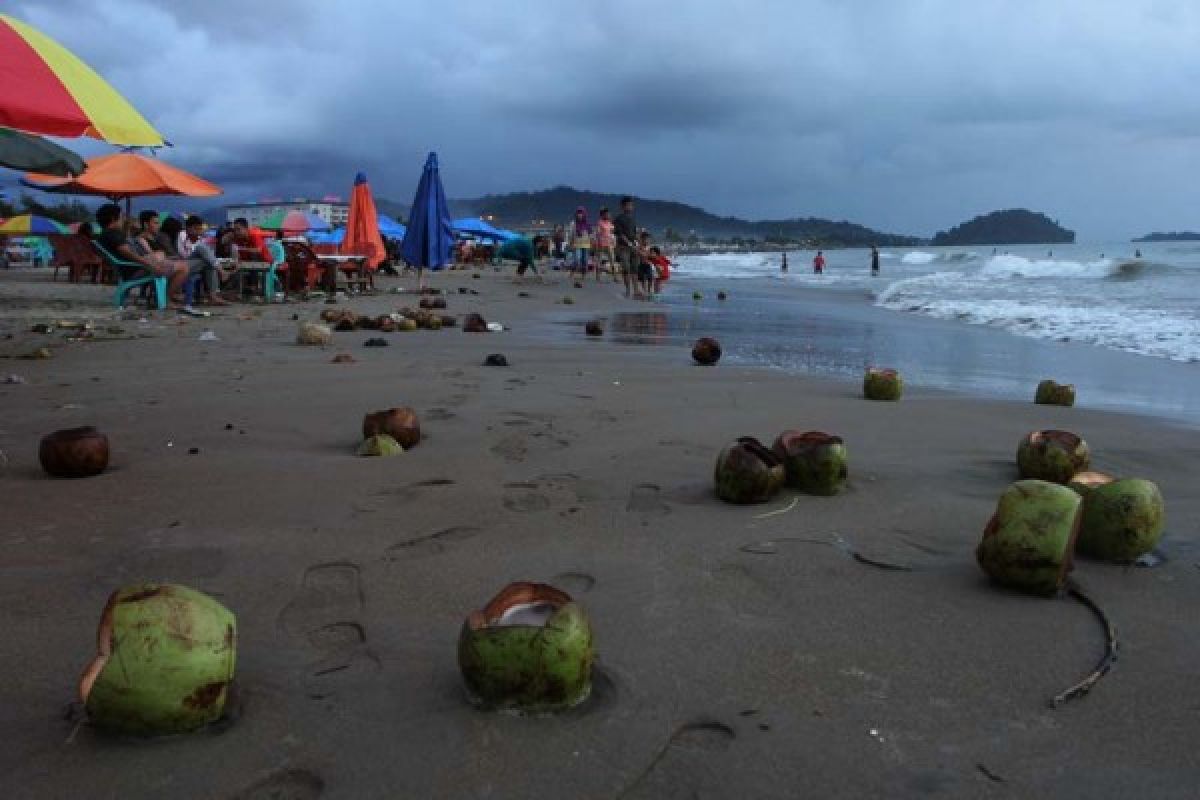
1173	236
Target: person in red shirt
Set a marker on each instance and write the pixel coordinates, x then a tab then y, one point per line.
662	268
819	264
247	238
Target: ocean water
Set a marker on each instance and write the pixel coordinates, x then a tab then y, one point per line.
1096	294
1124	330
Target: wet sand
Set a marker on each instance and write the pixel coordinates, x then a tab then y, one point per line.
741	655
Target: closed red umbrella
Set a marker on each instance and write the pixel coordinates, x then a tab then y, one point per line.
362	225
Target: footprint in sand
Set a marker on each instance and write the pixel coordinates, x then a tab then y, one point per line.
326	613
289	784
414	490
686	763
646	498
573	583
542	494
431	544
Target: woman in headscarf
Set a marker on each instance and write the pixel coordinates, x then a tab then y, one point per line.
581	241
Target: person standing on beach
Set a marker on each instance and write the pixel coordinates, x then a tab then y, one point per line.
783	265
874	260
605	243
581	241
560	239
819	264
626	230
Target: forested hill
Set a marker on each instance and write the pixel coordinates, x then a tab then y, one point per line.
1173	236
1015	226
523	209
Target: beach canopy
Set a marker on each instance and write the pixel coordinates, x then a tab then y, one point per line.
124	175
25	151
294	221
480	228
362	224
334	236
430	235
46	89
32	224
390	228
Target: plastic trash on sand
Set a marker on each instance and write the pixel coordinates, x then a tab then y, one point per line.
208	336
495	327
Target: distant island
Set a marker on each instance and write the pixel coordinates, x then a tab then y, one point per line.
1173	236
1014	226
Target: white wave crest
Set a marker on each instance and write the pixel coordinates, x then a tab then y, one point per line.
918	257
1010	266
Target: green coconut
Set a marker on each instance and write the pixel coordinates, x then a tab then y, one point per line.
1028	542
747	472
1053	393
1084	482
815	462
1121	520
529	649
406	325
1055	456
165	661
381	444
882	384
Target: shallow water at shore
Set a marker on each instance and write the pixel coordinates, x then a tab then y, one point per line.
818	332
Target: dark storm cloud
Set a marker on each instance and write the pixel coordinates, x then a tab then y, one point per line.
904	115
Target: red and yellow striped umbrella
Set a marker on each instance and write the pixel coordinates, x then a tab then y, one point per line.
45	89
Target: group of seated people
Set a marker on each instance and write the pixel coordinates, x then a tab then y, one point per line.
175	250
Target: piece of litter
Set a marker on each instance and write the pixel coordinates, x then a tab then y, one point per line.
14	378
208	336
616	383
495	327
170	444
192	451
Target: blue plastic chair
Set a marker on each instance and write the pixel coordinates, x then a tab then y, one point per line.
122	268
271	282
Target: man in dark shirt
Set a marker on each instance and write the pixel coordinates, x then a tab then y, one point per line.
112	237
626	230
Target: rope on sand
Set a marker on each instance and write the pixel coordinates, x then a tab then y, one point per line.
1106	661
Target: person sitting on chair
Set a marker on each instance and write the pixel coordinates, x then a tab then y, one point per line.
114	240
201	258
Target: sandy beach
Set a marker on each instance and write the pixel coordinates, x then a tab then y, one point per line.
742	653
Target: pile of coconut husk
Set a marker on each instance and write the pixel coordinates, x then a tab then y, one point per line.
813	462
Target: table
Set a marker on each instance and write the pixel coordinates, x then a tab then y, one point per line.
333	265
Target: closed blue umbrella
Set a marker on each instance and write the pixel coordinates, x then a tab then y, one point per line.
430	235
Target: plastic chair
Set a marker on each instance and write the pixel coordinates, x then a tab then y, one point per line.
271	282
124	285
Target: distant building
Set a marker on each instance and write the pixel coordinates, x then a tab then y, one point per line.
335	212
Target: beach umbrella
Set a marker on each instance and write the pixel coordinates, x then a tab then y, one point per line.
480	228
32	224
123	175
46	89
294	221
24	151
430	235
362	224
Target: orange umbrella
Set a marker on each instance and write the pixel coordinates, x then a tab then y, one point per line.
125	175
362	224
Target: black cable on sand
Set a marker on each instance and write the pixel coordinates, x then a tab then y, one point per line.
1106	661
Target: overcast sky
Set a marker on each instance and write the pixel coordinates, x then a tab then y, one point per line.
904	115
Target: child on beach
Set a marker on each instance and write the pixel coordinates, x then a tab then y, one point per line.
662	269
606	242
581	242
646	271
819	264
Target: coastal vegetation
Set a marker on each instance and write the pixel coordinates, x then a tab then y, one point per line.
1173	236
1014	226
